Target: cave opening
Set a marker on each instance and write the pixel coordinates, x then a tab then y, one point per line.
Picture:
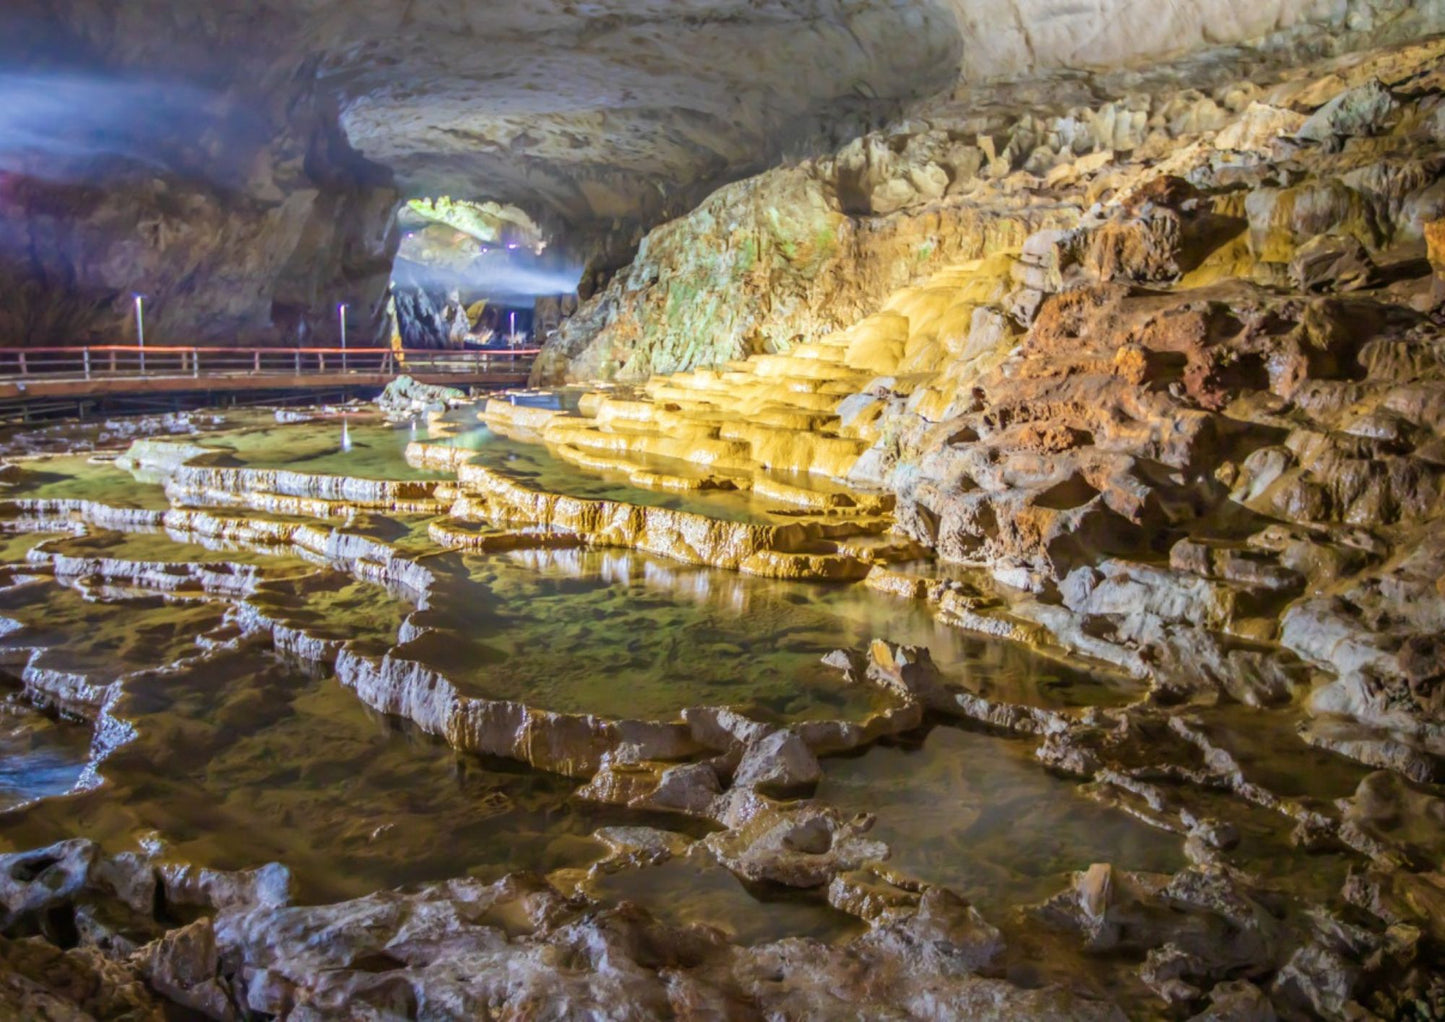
476	275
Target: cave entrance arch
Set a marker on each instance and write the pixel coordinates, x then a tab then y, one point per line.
476	274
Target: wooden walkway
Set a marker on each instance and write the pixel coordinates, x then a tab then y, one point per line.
79	372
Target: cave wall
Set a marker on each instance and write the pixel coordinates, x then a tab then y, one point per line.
1003	38
311	226
814	245
761	265
212	177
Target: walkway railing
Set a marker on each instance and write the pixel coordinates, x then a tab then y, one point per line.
113	361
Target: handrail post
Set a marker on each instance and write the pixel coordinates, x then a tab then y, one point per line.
298	361
195	363
256	360
112	361
85	361
23	370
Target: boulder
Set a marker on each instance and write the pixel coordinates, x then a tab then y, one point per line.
1363	110
406	398
797	845
42	982
33	883
780	764
184	967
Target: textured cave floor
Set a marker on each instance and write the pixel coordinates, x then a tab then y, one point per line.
262	757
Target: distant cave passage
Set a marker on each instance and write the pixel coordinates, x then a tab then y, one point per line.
476	281
432	319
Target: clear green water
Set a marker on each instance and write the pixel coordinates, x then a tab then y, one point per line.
363	450
77	477
977	813
629	635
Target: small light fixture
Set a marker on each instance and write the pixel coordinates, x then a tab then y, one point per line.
341	316
140	327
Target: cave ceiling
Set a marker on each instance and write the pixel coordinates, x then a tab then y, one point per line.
604	110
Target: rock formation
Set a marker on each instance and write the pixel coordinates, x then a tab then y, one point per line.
225	192
248	195
815	246
993	569
1180	407
86	930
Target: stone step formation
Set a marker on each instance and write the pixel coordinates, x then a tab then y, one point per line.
1195	429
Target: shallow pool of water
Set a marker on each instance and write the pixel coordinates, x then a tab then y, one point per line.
102	639
366	450
630	635
977	813
77	477
248	761
39	757
683	892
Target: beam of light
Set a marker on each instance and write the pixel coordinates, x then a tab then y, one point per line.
495	278
69	126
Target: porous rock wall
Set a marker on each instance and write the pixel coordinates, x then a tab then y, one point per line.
814	245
